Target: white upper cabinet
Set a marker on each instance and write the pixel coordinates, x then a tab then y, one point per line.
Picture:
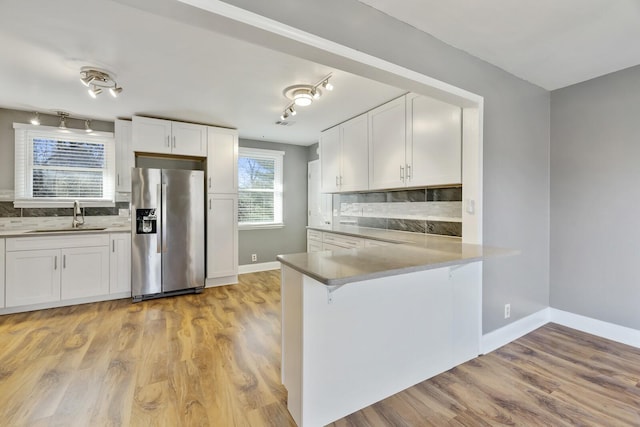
387	137
167	137
330	160
222	161
124	155
434	142
188	139
354	143
343	154
415	141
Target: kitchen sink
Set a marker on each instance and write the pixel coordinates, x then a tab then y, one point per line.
66	230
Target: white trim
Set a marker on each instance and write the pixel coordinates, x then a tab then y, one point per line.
496	339
67	131
65	303
258	21
221	281
263	266
610	331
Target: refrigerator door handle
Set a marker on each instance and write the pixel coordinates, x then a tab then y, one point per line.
164	218
159	236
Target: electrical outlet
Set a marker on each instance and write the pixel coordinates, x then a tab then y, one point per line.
507	311
254	257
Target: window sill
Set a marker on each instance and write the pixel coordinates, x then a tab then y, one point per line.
259	226
62	204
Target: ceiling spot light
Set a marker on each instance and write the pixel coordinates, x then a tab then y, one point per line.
99	80
36	119
327	85
94	91
303	95
87	126
302	98
63	119
115	91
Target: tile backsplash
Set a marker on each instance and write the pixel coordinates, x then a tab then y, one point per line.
19	218
426	210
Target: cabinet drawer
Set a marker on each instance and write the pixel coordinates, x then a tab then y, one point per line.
343	241
375	243
314	246
314	235
331	247
56	242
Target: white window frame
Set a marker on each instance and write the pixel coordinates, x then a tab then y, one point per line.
23	167
278	157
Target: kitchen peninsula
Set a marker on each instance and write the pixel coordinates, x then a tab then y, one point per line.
359	325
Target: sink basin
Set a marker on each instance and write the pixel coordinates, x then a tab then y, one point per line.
66	230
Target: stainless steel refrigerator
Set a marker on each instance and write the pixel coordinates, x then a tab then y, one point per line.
167	232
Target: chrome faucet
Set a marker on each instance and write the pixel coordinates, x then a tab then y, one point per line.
77	210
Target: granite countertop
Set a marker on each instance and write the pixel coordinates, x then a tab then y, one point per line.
413	252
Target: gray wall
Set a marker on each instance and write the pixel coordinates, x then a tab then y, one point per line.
516	138
292	238
595	176
7	137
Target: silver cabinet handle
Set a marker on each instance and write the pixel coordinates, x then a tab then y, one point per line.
168	143
337	184
408	171
64	261
118	179
113	246
209	182
209	204
159	235
55	262
401	173
174	141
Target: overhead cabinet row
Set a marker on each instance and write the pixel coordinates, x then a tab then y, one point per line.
412	141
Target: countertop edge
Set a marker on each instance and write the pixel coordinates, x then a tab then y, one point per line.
377	274
29	232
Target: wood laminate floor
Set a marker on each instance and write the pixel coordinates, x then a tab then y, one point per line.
214	360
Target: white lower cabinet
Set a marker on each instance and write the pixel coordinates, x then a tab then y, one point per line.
32	277
120	263
85	272
52	269
2	298
222	235
324	241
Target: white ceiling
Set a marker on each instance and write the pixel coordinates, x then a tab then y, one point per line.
167	68
551	43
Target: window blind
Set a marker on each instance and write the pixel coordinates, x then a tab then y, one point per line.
54	167
260	187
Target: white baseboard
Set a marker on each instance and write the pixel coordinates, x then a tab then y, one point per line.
607	330
221	281
496	339
263	266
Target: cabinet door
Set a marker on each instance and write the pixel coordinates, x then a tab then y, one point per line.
355	148
314	246
85	272
330	160
434	147
1	273
222	161
151	135
188	139
387	145
124	155
32	277
222	235
120	263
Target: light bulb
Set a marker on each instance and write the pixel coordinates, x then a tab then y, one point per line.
328	86
302	99
292	111
94	91
36	120
87	126
115	91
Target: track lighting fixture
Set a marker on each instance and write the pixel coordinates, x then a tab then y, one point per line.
63	119
36	119
97	80
87	126
304	95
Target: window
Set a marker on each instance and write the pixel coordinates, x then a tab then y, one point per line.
53	167
259	188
